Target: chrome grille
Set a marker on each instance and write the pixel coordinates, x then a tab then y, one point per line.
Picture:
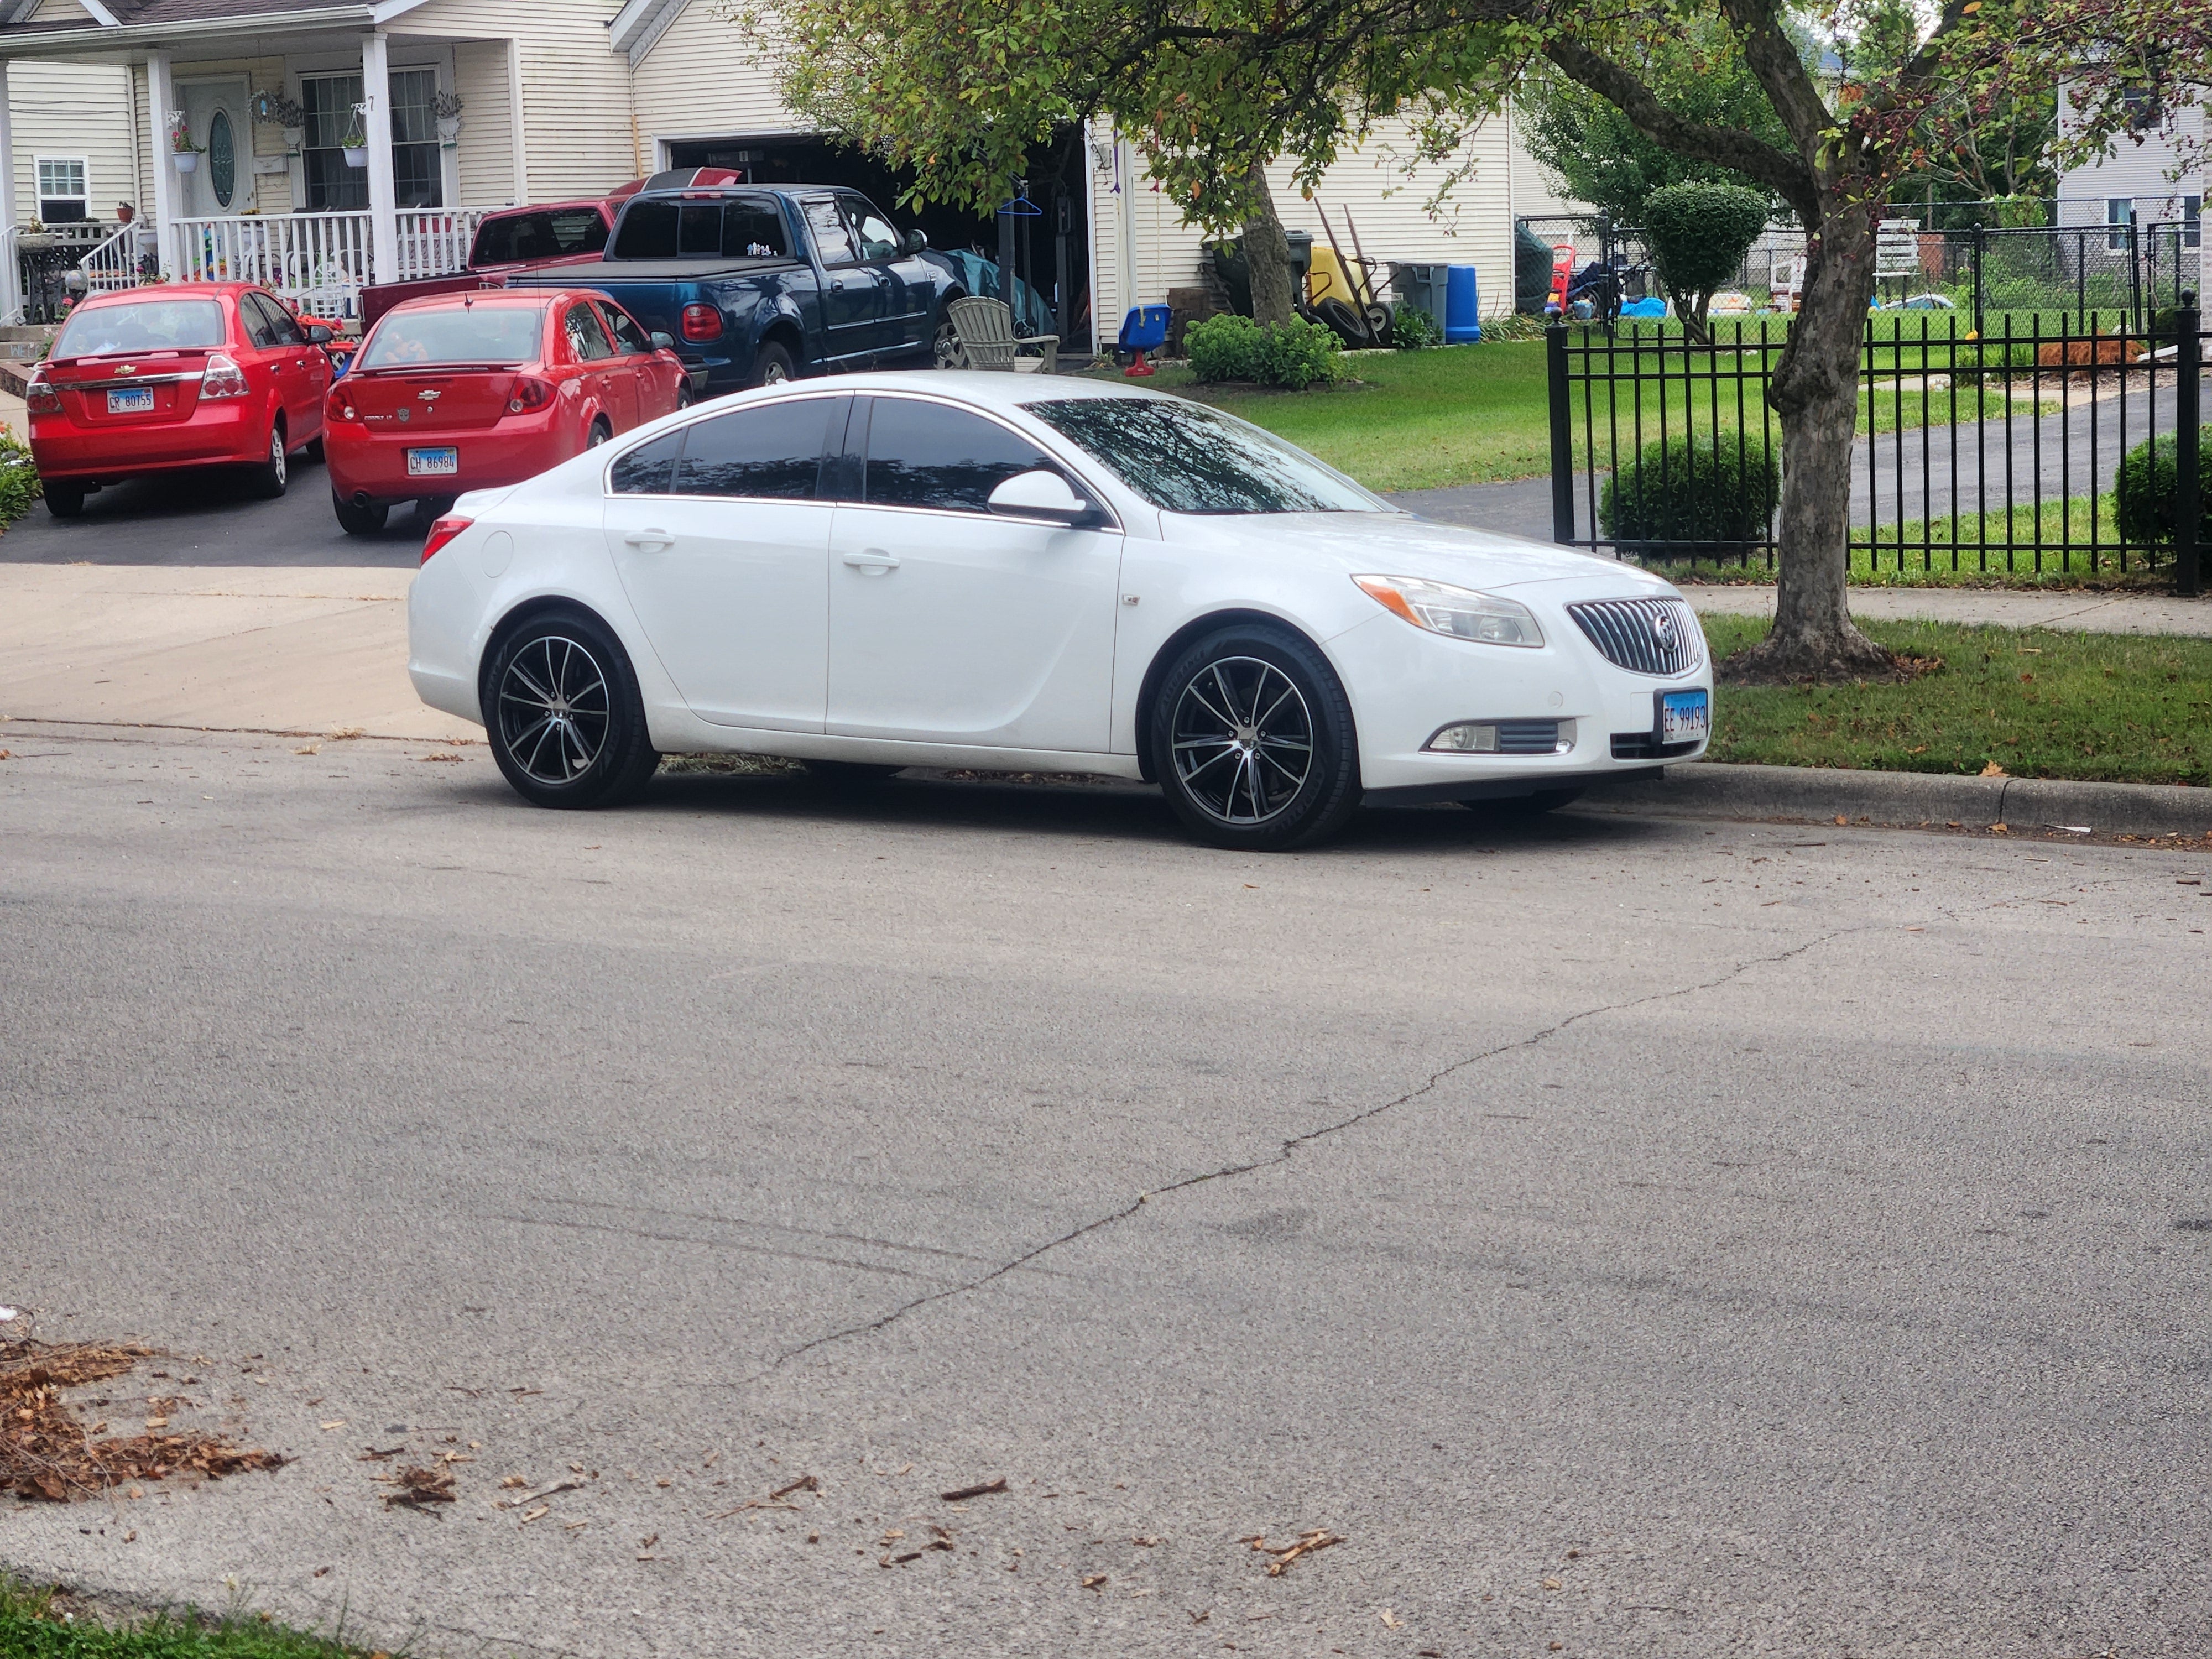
1644	636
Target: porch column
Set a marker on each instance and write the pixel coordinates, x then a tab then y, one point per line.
160	104
383	196
11	298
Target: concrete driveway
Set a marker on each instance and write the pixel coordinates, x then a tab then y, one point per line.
1630	1237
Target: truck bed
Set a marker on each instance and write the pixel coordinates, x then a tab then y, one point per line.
603	272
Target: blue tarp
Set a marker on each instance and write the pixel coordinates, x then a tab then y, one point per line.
980	277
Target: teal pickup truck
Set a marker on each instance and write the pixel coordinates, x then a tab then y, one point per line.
761	283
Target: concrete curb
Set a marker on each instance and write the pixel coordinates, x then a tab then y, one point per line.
1713	789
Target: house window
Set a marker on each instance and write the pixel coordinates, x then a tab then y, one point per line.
417	178
333	186
63	195
2120	215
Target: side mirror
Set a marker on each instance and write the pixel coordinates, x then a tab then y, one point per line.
662	342
1043	494
317	334
917	240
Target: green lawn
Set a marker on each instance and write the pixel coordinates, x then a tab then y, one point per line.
38	1625
2041	704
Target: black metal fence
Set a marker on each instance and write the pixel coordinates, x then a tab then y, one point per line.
2035	448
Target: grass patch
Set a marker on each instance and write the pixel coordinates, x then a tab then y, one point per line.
2114	708
47	1624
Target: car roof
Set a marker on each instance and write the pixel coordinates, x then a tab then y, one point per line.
164	291
469	298
981	387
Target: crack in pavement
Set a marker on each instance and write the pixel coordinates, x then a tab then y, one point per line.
1290	1145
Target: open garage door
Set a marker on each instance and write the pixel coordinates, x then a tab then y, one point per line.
1052	245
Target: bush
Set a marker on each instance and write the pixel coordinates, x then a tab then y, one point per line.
1293	355
2146	486
1710	492
1415	329
19	477
1699	235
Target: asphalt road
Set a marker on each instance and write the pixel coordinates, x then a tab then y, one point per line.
1631	1237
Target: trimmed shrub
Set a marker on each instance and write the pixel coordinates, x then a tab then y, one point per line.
1699	235
1293	355
2146	484
19	477
1716	491
1415	329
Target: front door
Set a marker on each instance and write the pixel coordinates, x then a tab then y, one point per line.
722	542
221	181
949	623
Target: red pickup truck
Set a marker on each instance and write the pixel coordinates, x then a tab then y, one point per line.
533	239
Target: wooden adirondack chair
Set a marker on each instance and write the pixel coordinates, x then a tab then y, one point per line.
988	340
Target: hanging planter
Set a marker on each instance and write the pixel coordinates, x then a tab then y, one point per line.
447	108
356	142
182	150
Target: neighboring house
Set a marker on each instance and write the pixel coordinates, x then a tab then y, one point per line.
560	98
2138	182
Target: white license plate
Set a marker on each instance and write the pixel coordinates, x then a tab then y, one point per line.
433	463
1684	716
137	401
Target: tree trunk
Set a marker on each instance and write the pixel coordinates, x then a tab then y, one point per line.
1268	255
1815	390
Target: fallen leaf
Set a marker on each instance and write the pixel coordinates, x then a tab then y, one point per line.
538	1514
345	734
152	1423
1095	1581
335	1423
1993	770
663	1481
1553	1583
1840	818
418	1486
312	748
708	1461
441	755
1390	1620
511	1482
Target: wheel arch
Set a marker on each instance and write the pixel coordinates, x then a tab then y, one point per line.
529	610
1148	690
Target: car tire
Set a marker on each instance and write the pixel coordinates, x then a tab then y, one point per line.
946	350
1526	806
562	712
772	366
267	478
313	449
65	500
600	432
365	518
431	508
684	397
1252	740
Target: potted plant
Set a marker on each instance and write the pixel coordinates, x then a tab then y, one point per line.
35	234
447	107
356	142
182	150
274	110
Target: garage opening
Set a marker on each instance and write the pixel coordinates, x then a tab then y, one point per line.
1051	224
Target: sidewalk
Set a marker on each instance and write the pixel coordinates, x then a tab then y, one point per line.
2089	612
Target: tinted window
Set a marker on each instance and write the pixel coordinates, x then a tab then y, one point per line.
878	241
832	238
547	235
699	230
774	452
465	334
629	338
923	454
647	231
587	339
646	469
754	229
142	325
259	330
1186	458
284	327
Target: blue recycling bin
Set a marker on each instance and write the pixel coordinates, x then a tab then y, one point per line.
1462	308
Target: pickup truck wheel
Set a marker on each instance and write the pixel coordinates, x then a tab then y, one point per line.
772	366
364	519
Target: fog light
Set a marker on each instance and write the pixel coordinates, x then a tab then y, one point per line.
1503	738
1468	738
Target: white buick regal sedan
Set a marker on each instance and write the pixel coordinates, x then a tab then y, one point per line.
1003	571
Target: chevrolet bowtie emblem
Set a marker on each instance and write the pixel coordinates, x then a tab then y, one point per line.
429	395
128	368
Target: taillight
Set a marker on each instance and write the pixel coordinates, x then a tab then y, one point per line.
443	531
40	398
340	406
223	378
701	322
529	392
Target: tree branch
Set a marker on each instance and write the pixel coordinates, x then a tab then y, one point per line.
1781	172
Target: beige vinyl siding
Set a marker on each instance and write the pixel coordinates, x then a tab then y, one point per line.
71	110
577	131
61	11
1474	227
1536	190
142	135
702	79
484	155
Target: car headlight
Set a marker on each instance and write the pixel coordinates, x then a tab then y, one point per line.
1459	613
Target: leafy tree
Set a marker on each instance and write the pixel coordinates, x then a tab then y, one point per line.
1596	151
1699	234
962	90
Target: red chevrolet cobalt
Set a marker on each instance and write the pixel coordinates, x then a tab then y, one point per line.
461	392
189	374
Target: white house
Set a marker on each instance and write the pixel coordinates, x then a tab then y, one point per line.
558	98
2141	182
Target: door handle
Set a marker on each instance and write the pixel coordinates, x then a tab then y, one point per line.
649	539
874	561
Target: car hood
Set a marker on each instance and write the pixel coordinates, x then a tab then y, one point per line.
1400	545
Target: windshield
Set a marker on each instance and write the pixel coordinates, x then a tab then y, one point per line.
1185	457
474	334
142	325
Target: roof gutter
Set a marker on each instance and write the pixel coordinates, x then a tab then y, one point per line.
155	36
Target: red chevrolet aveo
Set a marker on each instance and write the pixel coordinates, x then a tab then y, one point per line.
459	391
186	375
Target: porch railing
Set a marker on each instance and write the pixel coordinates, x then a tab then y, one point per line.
320	260
435	241
112	262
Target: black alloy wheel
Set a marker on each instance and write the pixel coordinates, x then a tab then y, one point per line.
562	710
1253	742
